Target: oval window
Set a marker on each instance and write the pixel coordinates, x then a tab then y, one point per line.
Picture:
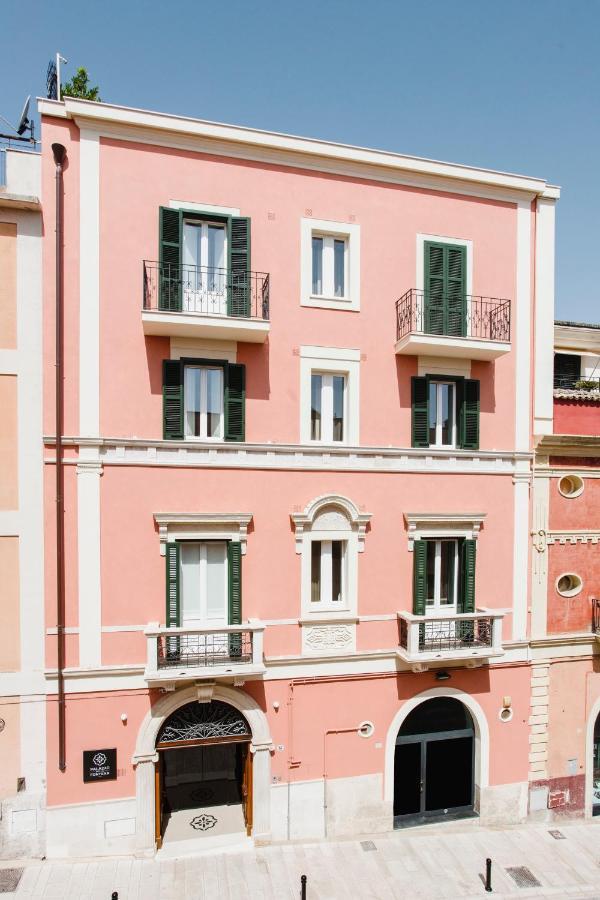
570	486
569	584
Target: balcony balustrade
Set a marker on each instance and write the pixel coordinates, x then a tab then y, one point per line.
177	654
464	326
199	301
466	637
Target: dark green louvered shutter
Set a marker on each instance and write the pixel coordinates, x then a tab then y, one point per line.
173	611
234	559
567	370
235	402
420	412
419	577
469	415
169	279
172	400
445	289
434	288
456	318
239	294
467	580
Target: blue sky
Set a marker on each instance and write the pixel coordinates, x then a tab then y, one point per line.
512	85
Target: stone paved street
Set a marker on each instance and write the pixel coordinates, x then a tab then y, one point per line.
436	862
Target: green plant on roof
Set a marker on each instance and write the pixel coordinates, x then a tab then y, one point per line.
79	87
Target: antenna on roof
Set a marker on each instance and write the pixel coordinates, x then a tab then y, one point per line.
25	124
53	77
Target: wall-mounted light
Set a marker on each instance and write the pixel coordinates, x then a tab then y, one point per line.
442	675
275	705
123	718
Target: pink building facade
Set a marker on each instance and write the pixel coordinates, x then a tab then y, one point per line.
302	387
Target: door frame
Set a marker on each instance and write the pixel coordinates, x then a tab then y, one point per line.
425	739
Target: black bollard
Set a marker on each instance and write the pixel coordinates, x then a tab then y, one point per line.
303	887
488	875
114	895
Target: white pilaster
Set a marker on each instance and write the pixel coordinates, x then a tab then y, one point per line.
521	327
261	777
145	800
539	557
89	283
544	317
520	556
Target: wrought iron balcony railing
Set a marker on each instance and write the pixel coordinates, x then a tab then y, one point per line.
482	318
205	291
467	635
576	383
177	652
596	616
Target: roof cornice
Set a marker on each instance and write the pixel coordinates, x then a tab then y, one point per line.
319	153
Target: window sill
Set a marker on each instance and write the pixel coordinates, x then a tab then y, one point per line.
320	301
330	617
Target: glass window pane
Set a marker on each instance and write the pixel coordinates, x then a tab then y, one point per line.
337	555
432	411
317	265
447	392
316	387
191	391
214	402
430	588
190	581
315	572
445	547
339	251
216	573
216	257
338	407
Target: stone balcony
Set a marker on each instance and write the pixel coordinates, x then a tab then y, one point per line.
462	639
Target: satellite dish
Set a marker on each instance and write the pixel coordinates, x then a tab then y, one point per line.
24	120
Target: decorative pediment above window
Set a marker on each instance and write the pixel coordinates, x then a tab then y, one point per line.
442	525
331	513
202	526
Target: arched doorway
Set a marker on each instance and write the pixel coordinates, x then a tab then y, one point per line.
596	769
434	762
203	773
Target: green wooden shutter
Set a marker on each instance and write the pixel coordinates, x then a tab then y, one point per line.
420	412
234	560
173	611
419	577
235	402
469	415
434	288
172	400
455	277
169	280
567	370
467	594
239	293
445	289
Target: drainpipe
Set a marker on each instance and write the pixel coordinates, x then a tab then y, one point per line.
59	157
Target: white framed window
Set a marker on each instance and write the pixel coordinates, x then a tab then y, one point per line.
327	407
442	414
203	393
329	395
328	573
330	264
204	264
441	576
203	584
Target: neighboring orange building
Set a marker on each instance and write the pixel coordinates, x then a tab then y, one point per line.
22	684
565	723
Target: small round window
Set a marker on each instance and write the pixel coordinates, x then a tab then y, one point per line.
568	585
570	486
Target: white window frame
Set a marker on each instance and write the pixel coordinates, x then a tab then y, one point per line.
327	407
438	415
330	231
330	517
326	601
203	436
335	361
204	618
328	266
433	605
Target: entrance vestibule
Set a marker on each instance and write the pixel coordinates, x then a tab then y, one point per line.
434	763
203	776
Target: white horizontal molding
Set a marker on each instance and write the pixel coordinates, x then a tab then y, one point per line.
202	526
303	457
170	130
573	537
9	362
330	354
10	523
204	207
441	525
